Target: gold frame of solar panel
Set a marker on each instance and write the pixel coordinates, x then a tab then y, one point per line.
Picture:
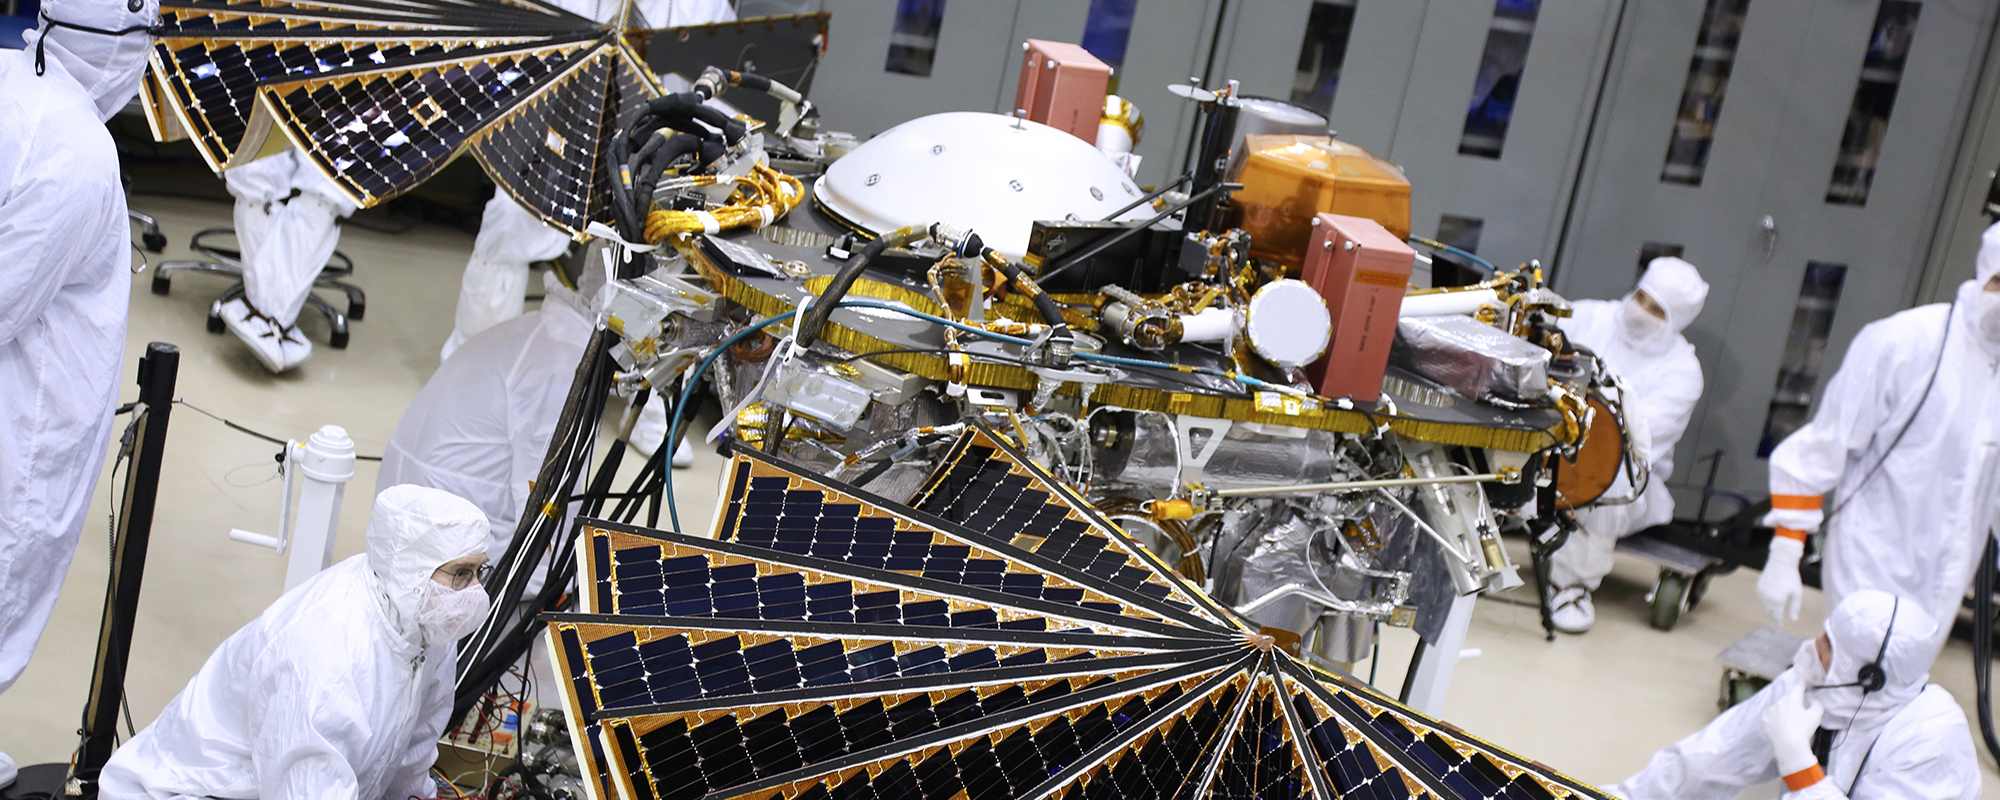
915	611
381	94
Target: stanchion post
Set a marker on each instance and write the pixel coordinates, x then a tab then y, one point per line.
157	372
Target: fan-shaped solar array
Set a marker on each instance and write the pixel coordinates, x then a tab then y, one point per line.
994	638
381	94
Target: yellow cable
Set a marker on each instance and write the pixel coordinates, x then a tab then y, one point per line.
767	195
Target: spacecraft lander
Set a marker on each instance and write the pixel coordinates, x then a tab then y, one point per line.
1045	483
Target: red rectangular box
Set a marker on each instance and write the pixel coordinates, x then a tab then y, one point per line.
1062	86
1361	269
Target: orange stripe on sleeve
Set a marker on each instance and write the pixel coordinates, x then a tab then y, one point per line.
1788	533
1797	502
1798	781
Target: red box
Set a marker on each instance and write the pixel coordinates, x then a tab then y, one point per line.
1361	269
1062	86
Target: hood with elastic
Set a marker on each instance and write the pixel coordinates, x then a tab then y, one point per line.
1678	287
413	531
1857	628
108	67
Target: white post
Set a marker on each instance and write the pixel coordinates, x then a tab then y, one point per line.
1433	678
326	462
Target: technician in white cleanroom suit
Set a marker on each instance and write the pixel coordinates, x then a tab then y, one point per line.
287	222
1907	437
1817	729
342	687
1639	338
510	238
482	424
64	283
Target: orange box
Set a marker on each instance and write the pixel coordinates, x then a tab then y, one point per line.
1288	178
1062	86
1361	269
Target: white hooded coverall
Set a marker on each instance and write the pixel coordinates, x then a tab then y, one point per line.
1917	527
1663	382
332	692
494	287
64	287
1913	738
481	425
286	239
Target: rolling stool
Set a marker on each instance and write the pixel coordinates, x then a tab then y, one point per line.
1753	662
149	231
227	262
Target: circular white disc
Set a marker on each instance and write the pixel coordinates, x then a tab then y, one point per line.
1283	113
1288	323
993	174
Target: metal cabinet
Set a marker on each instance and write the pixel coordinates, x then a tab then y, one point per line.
1806	204
975	57
1512	185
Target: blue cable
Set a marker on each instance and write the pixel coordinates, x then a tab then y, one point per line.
1130	362
1437	245
687	391
937	319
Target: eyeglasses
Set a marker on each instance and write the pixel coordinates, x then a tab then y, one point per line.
464	576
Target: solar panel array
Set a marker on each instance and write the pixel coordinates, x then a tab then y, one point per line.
381	94
993	638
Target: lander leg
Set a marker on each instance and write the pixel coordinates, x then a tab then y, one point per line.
1425	688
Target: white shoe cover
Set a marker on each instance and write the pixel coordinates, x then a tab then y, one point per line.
7	771
1571	610
651	429
279	349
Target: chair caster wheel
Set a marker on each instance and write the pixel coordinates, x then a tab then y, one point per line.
337	340
356	311
162	284
153	242
215	324
1670	597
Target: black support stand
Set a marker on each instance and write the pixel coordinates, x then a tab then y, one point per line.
157	372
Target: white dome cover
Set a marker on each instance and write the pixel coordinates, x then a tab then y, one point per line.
993	174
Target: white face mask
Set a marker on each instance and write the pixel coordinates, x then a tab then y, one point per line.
1640	325
1986	315
1808	664
448	615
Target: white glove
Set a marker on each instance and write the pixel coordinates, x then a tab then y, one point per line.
1790	722
1807	664
1779	586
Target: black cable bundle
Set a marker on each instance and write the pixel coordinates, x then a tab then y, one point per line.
499	643
509	630
1983	583
646	154
505	635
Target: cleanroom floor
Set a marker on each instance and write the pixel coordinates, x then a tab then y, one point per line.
1594	706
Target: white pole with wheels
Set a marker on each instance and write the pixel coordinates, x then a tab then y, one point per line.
326	463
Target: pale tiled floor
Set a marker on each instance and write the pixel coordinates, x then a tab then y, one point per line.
1595	706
